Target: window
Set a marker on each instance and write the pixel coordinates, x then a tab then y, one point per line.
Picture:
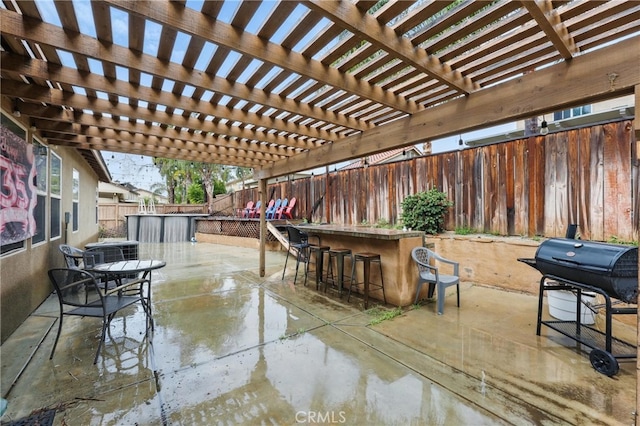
56	193
76	199
573	112
41	181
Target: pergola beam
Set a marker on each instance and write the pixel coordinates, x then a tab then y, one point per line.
549	21
151	150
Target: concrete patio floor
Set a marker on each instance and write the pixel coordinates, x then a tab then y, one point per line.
231	347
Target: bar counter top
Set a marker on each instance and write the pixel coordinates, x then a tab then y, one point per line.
360	231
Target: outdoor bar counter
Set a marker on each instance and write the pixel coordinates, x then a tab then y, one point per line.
394	246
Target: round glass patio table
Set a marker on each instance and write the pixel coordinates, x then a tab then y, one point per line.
127	268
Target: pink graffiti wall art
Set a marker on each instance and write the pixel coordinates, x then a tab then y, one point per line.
18	194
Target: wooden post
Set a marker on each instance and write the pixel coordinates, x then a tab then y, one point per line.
262	189
117	215
637	133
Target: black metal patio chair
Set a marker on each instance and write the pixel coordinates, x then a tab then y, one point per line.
72	255
80	295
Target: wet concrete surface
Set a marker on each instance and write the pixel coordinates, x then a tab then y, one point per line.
231	347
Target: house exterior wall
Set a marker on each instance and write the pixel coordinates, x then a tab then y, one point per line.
596	107
24	282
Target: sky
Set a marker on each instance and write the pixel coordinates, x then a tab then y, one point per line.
137	170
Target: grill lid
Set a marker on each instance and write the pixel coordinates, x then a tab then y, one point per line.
612	268
606	259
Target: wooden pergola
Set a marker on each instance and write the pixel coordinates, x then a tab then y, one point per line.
285	86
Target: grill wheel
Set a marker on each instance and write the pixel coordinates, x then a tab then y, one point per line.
604	362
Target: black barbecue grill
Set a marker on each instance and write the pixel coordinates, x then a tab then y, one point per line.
606	269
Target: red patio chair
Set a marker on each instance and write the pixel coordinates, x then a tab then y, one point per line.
286	213
278	213
246	210
256	208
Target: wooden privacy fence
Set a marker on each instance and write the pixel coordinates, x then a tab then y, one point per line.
531	187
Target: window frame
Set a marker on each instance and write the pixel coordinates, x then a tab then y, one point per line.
75	198
55	193
41	158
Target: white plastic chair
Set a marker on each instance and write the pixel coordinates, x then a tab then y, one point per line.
429	273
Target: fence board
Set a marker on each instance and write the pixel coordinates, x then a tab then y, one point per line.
560	215
448	186
433	172
596	184
573	177
500	213
509	187
584	193
520	189
617	180
550	186
460	191
537	190
489	187
380	187
479	191
401	186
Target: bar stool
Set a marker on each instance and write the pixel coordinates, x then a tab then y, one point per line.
366	259
299	241
319	251
338	254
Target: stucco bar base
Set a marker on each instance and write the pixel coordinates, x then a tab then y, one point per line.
399	273
394	247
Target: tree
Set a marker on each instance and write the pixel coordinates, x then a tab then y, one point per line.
183	176
195	193
210	174
166	167
242	173
158	189
178	175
